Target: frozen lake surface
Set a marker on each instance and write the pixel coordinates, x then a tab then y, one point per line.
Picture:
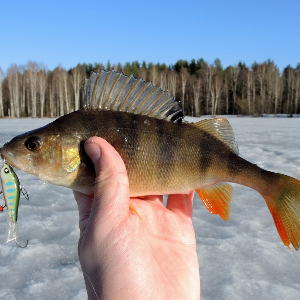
243	258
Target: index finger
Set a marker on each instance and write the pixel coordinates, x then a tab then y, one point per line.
181	204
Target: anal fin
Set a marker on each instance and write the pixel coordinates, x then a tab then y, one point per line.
217	199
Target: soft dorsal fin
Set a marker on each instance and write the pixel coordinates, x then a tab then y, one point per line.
118	92
221	129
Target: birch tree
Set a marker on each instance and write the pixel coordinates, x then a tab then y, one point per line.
206	73
143	73
51	93
32	70
164	79
66	97
41	85
277	92
249	82
1	96
13	79
297	92
76	80
172	83
197	93
215	93
59	92
184	78
234	73
153	74
260	75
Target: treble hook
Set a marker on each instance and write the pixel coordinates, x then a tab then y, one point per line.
20	245
24	192
1	207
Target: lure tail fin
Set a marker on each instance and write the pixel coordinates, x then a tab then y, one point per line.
283	200
11	232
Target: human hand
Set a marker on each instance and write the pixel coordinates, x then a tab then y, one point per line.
128	257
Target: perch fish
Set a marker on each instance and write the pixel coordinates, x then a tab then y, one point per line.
162	154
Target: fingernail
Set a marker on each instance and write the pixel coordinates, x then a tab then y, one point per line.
93	151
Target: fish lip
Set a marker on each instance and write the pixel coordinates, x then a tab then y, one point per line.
8	157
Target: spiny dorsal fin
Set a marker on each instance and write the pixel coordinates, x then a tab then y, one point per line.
217	199
118	92
221	129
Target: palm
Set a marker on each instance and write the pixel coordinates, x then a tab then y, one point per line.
152	258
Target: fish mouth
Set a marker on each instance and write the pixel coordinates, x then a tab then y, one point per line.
8	157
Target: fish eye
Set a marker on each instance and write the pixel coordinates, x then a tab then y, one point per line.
33	143
6	170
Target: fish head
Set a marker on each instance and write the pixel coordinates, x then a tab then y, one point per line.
34	152
52	157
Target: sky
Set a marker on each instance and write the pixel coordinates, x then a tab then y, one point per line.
66	33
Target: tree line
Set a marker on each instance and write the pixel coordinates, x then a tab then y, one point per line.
202	88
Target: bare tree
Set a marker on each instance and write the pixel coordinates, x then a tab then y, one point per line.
297	92
164	79
215	93
197	93
273	87
59	90
51	93
172	81
207	74
234	73
184	74
13	79
41	85
153	75
76	80
23	90
226	94
143	73
277	91
66	96
1	97
32	70
260	75
249	82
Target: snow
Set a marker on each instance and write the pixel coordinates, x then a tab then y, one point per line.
243	258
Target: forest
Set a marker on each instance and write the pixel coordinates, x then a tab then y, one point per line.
202	88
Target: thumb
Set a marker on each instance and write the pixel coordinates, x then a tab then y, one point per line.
111	191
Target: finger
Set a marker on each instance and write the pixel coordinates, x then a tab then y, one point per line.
111	192
154	198
84	203
181	204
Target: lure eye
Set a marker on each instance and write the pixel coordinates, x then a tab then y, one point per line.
33	143
6	171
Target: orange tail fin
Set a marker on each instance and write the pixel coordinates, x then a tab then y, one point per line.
284	205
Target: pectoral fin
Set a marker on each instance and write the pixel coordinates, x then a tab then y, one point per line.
217	199
132	208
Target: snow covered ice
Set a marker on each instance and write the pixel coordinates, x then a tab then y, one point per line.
243	258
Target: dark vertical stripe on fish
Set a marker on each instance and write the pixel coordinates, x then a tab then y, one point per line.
205	153
235	164
135	137
167	146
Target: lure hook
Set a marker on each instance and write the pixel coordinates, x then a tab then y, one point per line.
20	245
24	192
